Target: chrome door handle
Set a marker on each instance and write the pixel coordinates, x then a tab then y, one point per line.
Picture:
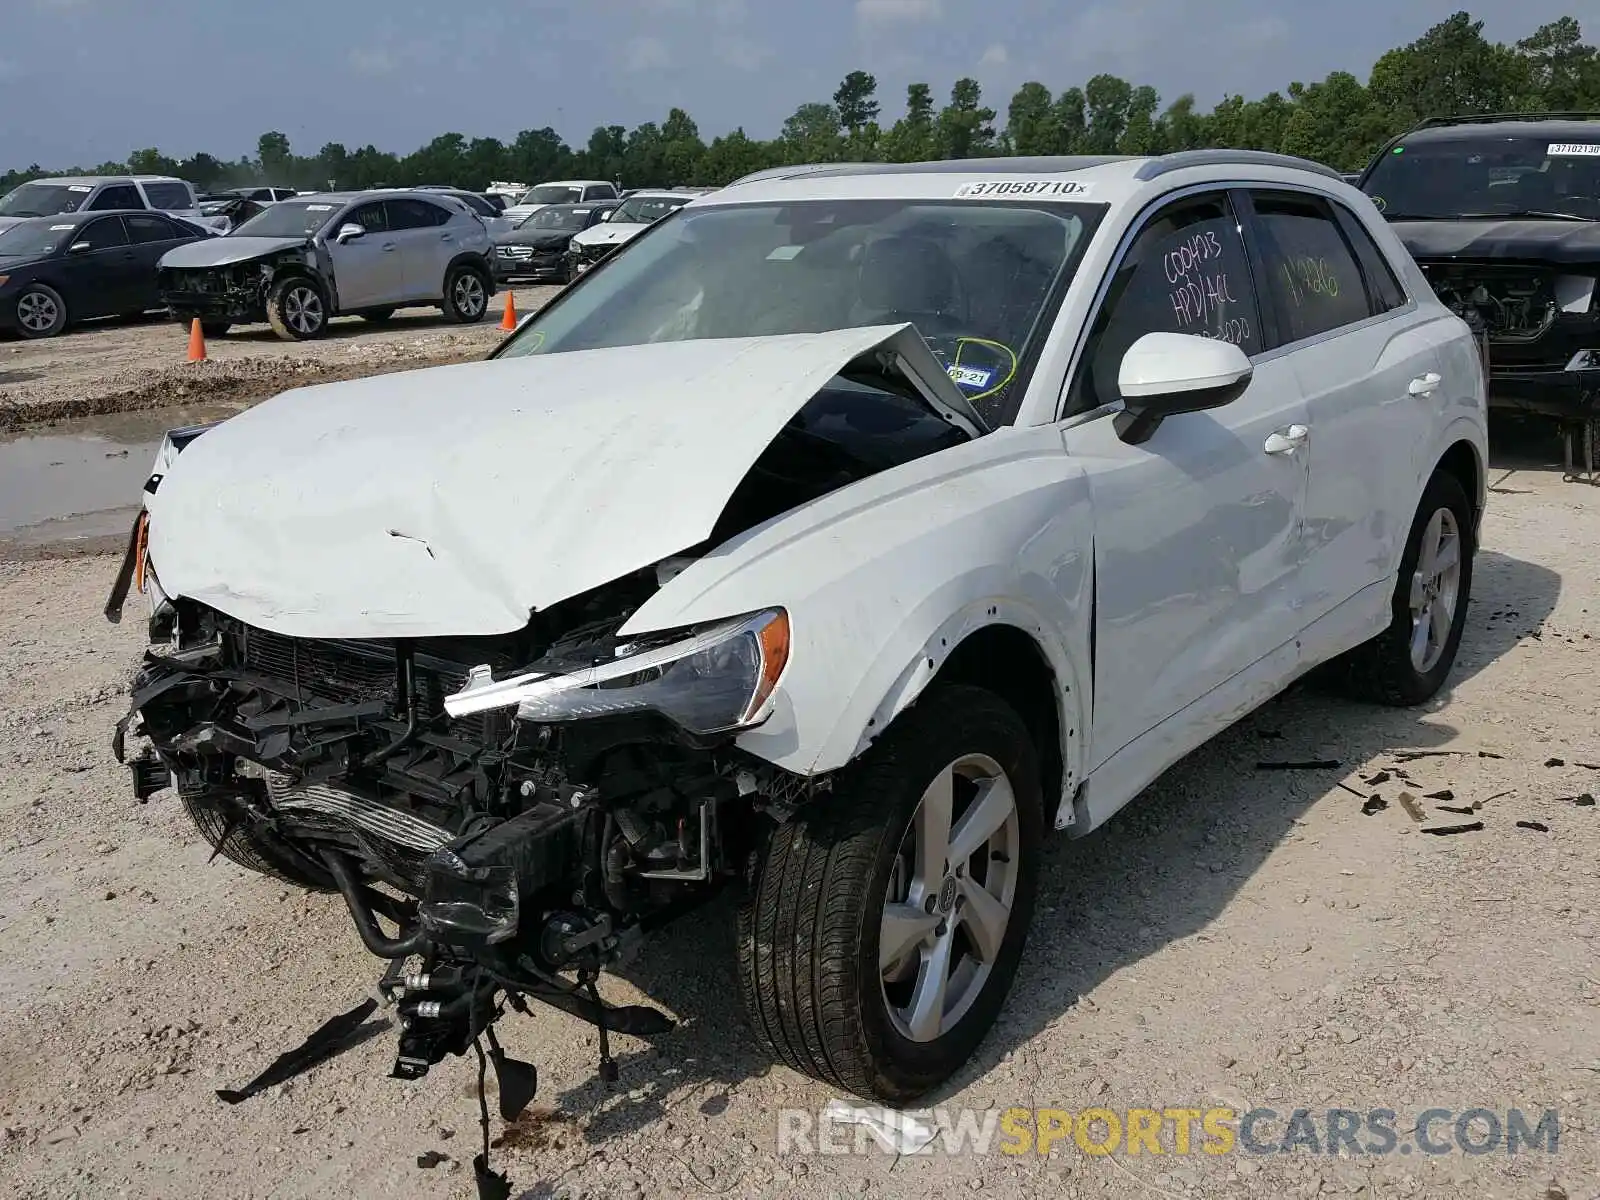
1423	385
1287	441
388	247
445	237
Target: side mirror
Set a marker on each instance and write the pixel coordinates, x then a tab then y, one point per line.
1164	374
79	248
349	233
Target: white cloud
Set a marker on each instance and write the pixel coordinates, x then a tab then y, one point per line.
885	12
645	54
995	56
373	60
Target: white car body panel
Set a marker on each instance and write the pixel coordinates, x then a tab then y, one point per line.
1215	573
334	511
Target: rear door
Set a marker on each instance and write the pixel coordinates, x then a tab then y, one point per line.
103	277
1198	530
1367	360
427	244
151	236
366	271
114	196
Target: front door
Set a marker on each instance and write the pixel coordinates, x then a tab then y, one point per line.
102	271
366	270
427	244
152	235
1198	531
1368	366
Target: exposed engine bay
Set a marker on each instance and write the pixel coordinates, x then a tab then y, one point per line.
517	846
1512	302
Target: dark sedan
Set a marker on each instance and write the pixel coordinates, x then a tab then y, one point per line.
62	269
537	248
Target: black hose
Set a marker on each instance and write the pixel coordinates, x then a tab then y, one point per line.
372	936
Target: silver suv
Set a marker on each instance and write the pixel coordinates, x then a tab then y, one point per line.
306	260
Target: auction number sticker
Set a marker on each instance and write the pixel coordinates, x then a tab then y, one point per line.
1028	188
973	378
1573	149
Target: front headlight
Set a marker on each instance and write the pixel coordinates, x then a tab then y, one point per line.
717	678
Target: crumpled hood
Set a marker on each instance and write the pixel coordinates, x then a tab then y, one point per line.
223	251
608	233
455	500
1555	242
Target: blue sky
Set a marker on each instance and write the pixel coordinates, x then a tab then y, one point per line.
86	80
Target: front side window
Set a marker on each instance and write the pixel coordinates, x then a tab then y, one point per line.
115	196
104	234
600	191
1484	176
174	196
552	193
151	227
975	279
1186	272
1312	277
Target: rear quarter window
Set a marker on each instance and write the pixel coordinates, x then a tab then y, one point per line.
1313	279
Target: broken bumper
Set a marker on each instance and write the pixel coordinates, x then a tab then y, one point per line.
1565	394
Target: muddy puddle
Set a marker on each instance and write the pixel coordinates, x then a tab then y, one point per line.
80	480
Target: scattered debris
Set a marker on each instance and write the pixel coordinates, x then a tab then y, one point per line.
1353	791
1380	777
1446	795
1584	801
1536	826
1555	762
1463	810
1413	809
1317	764
1375	804
430	1159
1447	825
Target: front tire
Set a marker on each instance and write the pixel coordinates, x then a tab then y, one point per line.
41	312
466	295
886	922
297	310
1409	661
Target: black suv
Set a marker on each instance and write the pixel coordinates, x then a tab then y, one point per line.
1502	213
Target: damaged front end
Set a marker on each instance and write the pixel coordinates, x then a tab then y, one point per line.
230	292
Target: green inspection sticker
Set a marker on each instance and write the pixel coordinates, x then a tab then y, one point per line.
1399	150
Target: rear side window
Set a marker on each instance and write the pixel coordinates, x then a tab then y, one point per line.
1312	277
104	234
601	191
152	227
477	204
415	214
117	195
1186	272
1384	290
168	195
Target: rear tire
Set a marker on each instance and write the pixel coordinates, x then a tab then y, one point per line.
866	863
297	310
1409	661
466	294
40	311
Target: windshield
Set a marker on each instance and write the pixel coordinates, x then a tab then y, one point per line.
552	193
559	217
1491	176
33	239
44	199
973	277
642	210
287	220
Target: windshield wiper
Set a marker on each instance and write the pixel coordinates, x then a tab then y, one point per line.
1523	214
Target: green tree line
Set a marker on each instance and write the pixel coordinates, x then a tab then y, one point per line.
1452	69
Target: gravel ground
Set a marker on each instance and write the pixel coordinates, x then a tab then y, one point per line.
1237	937
123	366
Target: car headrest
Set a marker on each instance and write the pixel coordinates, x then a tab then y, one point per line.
906	274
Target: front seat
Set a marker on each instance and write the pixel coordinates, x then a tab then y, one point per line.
908	279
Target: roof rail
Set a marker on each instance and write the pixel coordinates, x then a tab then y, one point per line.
1494	118
1167	163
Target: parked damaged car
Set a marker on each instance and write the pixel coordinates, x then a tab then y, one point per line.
1503	214
304	261
848	533
537	249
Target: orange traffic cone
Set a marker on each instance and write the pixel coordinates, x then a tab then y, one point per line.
197	342
509	321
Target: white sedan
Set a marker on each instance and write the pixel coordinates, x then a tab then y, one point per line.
855	529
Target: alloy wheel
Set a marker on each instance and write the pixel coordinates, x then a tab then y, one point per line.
302	310
949	898
1435	590
37	313
469	295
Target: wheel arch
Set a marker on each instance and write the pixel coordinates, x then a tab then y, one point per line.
471	258
1464	461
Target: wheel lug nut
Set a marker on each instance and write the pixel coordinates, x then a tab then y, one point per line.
931	903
